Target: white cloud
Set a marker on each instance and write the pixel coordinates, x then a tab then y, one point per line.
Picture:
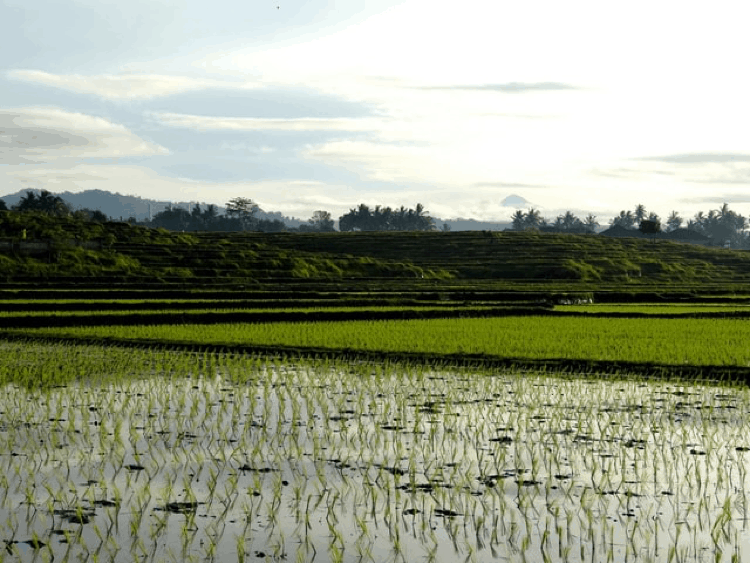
205	123
125	86
244	147
470	104
45	134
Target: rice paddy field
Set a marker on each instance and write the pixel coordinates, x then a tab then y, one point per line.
377	397
670	342
117	454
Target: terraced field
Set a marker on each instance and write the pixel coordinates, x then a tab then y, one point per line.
118	256
370	397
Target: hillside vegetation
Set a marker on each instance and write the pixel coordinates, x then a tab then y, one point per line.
63	252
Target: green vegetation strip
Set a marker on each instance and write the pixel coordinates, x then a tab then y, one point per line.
290	309
655	308
699	342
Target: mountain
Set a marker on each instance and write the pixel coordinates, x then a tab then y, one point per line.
114	205
515	201
123	207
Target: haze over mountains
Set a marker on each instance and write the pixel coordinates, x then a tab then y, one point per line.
119	206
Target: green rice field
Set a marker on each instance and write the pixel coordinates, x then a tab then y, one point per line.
373	397
700	342
138	454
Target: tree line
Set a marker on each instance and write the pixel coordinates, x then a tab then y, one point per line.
242	215
723	226
51	204
363	218
565	223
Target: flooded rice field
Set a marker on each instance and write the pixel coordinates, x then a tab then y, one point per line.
242	459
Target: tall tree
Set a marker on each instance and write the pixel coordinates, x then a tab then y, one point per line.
519	220
674	221
422	220
45	202
244	210
175	219
650	227
321	222
640	213
590	223
625	219
210	213
532	219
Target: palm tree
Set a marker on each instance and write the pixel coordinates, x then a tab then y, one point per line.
674	221
570	221
45	202
590	223
640	213
533	219
624	219
699	222
519	220
423	221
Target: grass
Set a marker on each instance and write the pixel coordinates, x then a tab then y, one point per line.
699	342
656	309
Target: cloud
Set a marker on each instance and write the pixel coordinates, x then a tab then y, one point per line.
701	158
634	174
124	86
719	200
204	123
381	161
505	185
706	167
246	148
509	87
33	135
736	177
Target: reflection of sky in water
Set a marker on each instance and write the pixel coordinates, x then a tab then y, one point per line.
529	465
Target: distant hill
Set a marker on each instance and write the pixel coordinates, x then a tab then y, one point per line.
119	206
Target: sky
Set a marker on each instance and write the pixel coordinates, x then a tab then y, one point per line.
303	105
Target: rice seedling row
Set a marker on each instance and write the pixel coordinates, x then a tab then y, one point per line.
164	456
676	342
